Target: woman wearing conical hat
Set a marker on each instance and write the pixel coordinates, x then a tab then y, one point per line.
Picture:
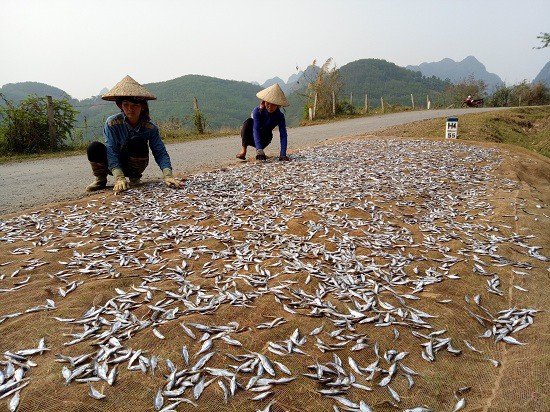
258	130
128	137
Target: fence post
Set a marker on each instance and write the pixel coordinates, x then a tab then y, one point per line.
333	104
351	98
382	102
366	103
51	128
198	116
412	101
428	103
315	105
310	114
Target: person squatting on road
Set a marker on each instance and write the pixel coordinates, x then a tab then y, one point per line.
128	137
257	131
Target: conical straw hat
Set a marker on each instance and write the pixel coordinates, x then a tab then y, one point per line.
273	94
128	87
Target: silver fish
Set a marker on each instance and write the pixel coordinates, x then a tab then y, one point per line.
158	402
94	393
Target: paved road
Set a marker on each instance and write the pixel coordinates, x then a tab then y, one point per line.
35	183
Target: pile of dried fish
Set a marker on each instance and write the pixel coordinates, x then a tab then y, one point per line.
336	380
508	322
348	234
14	373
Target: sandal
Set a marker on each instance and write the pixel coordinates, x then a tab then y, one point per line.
241	156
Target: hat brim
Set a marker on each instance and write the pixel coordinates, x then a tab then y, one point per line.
274	95
128	87
113	98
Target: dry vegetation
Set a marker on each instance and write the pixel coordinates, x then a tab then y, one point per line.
527	127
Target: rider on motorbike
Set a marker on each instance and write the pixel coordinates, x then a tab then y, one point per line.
471	102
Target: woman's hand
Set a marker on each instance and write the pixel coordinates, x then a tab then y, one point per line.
171	182
169	179
121	183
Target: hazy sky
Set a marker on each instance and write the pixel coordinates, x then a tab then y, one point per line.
82	46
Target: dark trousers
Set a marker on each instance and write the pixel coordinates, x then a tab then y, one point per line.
247	135
134	156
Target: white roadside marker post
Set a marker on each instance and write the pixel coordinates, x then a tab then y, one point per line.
451	130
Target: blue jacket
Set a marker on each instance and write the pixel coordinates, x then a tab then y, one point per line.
264	121
117	132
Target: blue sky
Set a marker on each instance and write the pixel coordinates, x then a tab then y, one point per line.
83	46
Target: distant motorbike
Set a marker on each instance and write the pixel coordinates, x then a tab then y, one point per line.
472	103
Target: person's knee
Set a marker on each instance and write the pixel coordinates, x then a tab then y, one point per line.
97	152
266	138
246	129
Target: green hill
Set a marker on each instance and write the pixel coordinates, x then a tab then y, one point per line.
226	103
395	84
20	91
378	78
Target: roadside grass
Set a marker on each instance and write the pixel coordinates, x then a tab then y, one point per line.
528	127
